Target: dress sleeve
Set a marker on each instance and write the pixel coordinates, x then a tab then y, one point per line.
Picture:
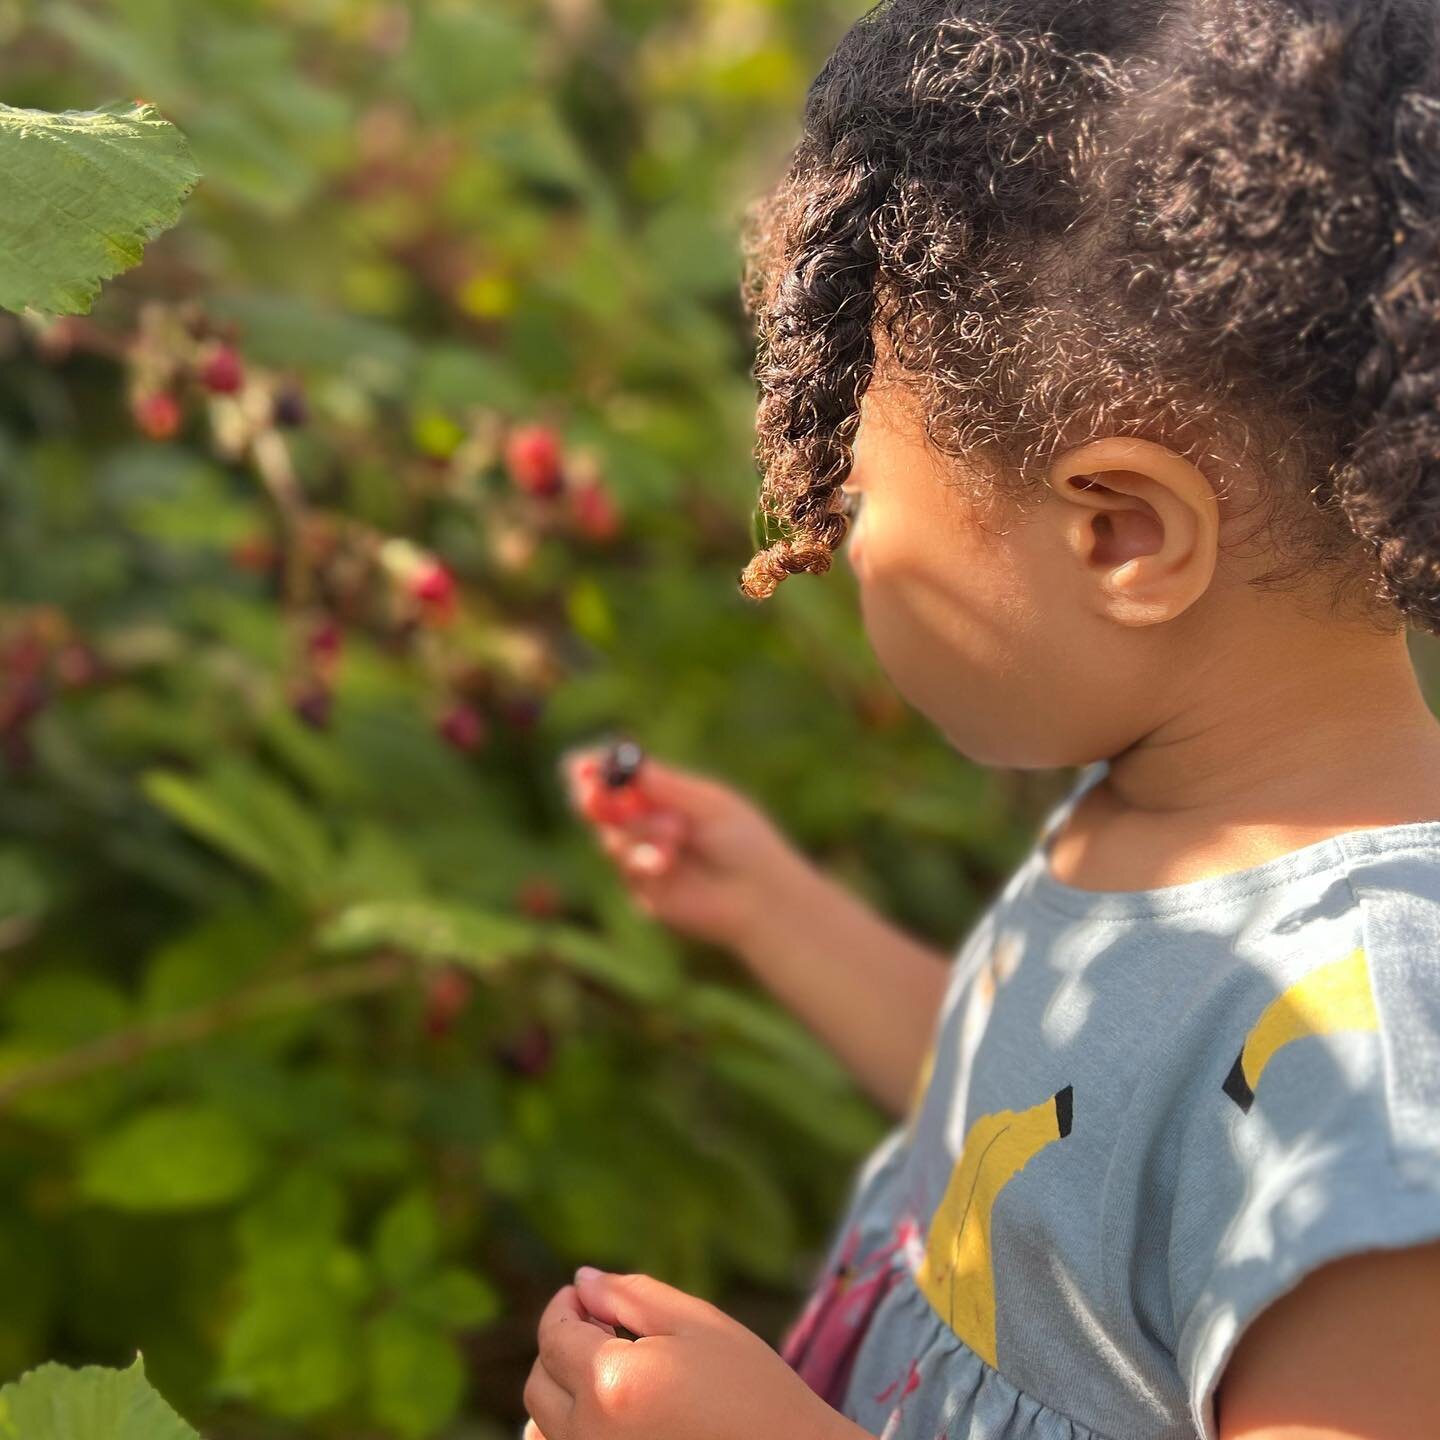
1321	1136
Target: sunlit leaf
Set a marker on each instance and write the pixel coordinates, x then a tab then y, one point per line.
54	1402
432	931
81	192
455	1298
415	1375
407	1237
175	1157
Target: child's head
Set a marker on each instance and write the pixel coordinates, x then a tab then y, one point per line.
1139	301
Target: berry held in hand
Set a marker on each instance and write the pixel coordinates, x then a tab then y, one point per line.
610	787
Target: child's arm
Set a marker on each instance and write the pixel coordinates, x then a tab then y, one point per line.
866	988
1350	1352
701	857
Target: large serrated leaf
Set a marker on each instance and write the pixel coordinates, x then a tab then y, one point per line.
81	192
54	1402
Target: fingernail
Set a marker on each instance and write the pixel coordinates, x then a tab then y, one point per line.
586	1272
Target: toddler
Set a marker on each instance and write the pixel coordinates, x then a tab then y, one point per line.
1106	333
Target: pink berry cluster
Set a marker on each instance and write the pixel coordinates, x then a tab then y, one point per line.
41	655
181	355
336	577
537	465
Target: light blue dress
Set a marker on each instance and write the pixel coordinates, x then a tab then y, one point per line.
1145	1116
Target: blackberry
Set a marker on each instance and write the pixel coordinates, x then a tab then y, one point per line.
289	409
621	763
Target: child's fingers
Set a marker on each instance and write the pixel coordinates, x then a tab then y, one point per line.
568	1341
647	846
547	1402
687	793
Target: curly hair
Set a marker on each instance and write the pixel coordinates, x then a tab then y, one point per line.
1211	223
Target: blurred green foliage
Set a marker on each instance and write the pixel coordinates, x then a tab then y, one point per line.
329	1041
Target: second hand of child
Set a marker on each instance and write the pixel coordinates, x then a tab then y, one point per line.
702	858
693	1374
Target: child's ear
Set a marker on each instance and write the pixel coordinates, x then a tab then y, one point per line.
1143	523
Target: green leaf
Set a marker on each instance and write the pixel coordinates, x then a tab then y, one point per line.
241	811
292	1346
227	949
303	1210
407	1238
431	931
80	194
456	1299
25	894
844	1124
66	1007
631	955
416	1378
293	1343
54	1402
463	59
724	1010
174	1157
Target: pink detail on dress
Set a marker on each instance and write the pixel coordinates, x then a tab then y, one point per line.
912	1382
821	1346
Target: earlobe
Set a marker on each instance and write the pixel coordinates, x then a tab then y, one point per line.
1143	522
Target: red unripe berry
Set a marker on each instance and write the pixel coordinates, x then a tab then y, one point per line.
608	787
77	665
158	414
222	373
614	807
326	642
463	726
447	994
434	587
532	455
540	897
596	515
256	553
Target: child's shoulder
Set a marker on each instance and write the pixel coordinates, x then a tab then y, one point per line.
1345	944
1312	1128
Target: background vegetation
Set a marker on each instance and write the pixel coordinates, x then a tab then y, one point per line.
418	452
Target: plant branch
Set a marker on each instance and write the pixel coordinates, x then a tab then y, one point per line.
191	1027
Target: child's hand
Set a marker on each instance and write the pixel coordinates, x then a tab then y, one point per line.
693	1373
694	852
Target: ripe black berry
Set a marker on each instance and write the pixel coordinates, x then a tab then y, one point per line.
289	409
621	763
529	1053
313	704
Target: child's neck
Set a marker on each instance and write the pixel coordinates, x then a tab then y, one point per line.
1268	748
